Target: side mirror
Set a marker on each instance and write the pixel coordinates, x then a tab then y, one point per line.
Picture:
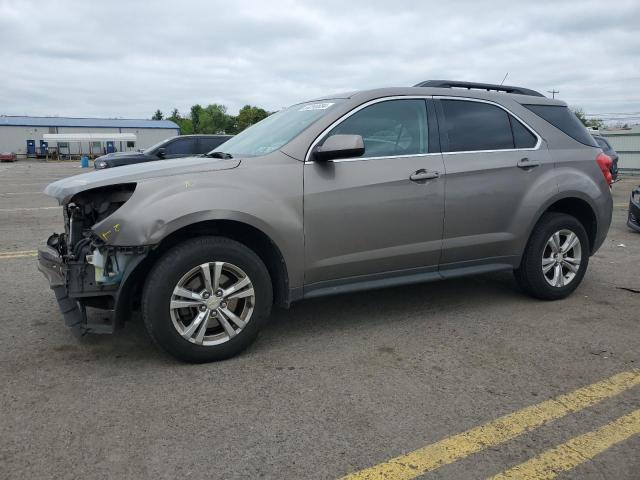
161	152
339	146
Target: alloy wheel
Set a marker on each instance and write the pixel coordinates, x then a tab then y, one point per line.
212	303
561	258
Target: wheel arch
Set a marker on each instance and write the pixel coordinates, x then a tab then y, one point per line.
579	207
245	233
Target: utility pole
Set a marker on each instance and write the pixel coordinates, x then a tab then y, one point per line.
553	93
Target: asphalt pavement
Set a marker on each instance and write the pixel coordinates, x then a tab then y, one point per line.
406	382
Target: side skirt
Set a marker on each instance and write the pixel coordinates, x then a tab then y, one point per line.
402	277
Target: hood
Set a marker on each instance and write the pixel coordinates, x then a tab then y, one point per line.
66	188
120	154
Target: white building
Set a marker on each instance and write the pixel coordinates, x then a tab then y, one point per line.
24	135
625	141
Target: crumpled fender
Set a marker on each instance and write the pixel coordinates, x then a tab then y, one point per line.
266	196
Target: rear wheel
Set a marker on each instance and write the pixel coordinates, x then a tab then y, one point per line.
555	259
206	299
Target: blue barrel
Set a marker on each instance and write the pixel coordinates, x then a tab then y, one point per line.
84	161
31	148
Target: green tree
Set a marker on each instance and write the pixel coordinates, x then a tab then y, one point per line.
213	119
232	125
158	115
587	122
185	125
249	115
196	112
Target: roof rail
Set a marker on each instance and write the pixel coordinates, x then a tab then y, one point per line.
478	86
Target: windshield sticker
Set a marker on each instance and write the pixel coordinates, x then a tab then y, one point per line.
316	106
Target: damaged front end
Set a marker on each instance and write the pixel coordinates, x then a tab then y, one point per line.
88	275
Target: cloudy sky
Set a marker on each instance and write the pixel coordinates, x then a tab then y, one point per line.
127	58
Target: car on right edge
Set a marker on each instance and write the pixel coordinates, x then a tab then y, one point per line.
633	221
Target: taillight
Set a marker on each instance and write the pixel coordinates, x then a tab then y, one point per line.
605	163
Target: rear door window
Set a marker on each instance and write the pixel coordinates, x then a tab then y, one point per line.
211	143
182	146
389	128
473	126
565	120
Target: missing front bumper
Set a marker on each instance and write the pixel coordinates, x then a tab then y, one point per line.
74	300
51	265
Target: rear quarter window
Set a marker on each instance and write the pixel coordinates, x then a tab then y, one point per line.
208	144
565	120
522	137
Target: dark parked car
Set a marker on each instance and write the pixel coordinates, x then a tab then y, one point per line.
174	147
610	152
634	210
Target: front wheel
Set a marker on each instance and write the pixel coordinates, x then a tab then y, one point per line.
555	259
206	299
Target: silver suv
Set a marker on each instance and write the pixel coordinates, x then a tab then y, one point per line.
357	191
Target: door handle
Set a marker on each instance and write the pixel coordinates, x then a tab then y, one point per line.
422	175
526	164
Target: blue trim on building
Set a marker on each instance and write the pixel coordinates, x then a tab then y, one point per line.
11	121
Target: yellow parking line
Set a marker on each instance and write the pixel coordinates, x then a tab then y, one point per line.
22	193
498	431
13	252
27	209
569	455
18	254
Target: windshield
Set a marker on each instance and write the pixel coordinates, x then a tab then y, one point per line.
276	130
157	145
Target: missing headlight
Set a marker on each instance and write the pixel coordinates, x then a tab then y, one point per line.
90	207
98	203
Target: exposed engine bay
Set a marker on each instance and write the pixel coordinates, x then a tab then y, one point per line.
92	269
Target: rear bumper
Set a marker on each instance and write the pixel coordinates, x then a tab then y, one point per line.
604	216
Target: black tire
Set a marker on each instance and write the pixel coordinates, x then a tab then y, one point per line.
167	272
529	275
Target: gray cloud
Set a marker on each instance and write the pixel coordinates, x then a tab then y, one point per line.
127	58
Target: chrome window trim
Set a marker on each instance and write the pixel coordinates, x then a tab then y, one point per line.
357	109
357	159
481	100
423	97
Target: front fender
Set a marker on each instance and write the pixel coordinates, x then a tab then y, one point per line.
266	196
